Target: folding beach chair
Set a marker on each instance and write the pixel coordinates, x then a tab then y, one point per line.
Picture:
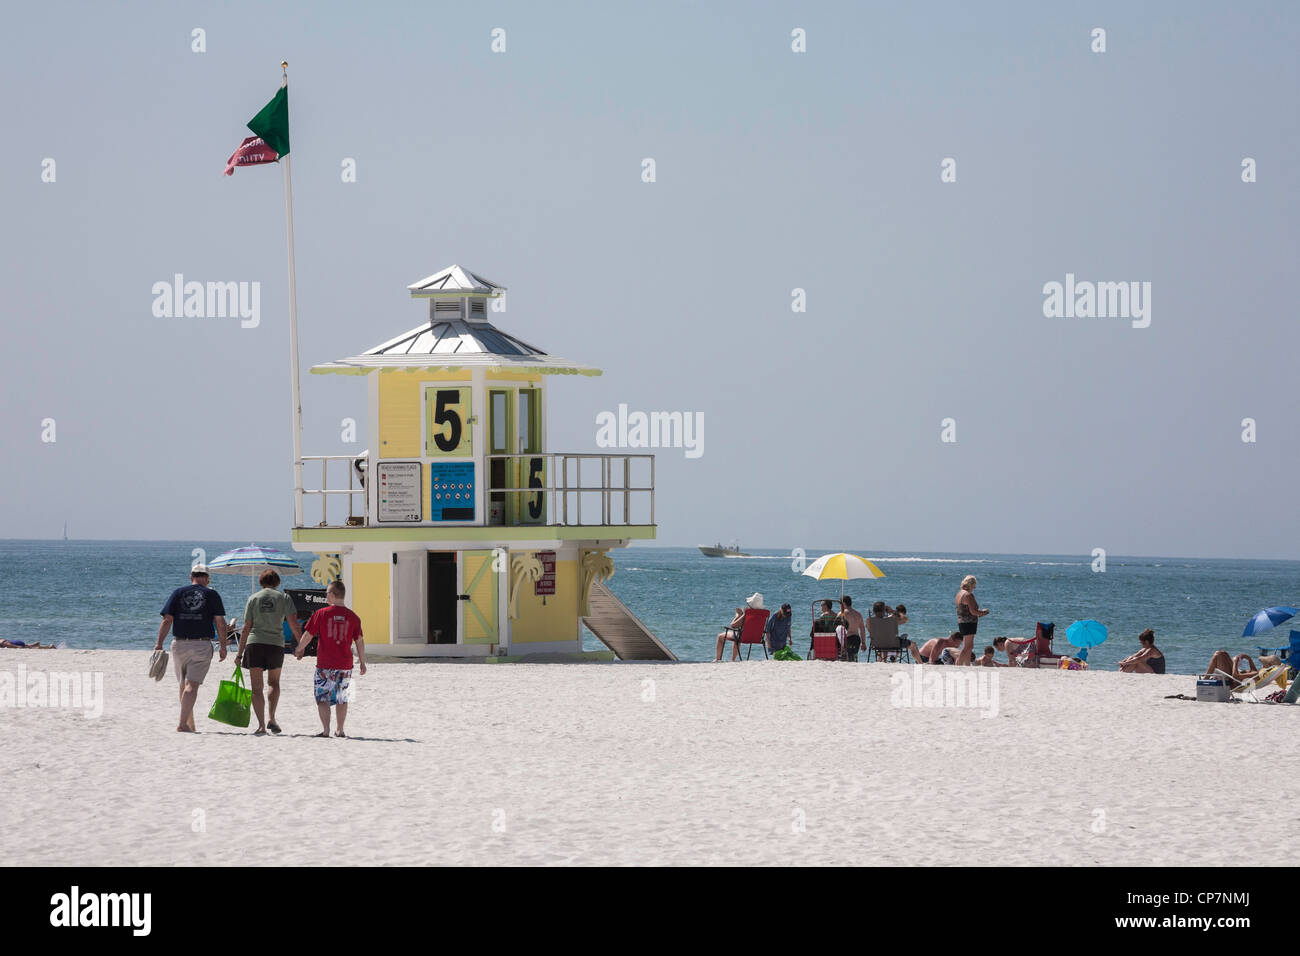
750	631
882	634
825	645
1290	654
1043	653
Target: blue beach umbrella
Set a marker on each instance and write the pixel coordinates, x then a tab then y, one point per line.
253	561
1268	619
1085	634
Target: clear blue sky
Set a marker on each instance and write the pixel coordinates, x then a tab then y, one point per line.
775	170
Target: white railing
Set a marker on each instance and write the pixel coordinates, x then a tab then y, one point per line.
355	516
558	477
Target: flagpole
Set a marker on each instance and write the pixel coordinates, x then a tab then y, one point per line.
293	334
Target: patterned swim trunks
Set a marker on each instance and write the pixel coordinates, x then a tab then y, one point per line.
333	686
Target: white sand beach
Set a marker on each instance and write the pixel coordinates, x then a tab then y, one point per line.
750	763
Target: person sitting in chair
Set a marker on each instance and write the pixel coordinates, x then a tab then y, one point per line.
1233	668
732	631
829	619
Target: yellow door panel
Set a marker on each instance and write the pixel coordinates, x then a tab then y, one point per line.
481	624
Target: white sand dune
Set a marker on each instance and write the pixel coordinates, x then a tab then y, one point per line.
751	763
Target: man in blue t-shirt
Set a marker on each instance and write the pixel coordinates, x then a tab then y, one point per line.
191	613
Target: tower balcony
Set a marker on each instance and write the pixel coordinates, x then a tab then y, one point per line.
530	495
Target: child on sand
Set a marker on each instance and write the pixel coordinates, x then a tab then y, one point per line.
986	659
335	628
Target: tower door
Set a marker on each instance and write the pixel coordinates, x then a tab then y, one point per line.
500	430
480	598
408	597
443	597
530	506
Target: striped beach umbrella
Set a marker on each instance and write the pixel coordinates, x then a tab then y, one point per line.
842	567
253	561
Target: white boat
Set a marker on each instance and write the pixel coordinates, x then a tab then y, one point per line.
721	551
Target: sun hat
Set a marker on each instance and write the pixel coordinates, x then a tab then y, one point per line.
755	601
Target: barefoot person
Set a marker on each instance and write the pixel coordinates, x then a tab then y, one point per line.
261	645
335	629
191	613
938	650
732	631
1148	660
968	615
1238	669
855	627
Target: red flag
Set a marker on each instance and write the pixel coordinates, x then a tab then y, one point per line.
252	152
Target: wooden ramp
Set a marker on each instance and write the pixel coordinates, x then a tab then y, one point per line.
620	630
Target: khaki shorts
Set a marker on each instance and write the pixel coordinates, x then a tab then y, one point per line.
191	660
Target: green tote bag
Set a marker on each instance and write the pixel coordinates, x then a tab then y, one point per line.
234	702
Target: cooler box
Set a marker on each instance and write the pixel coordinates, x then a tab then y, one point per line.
1213	689
307	601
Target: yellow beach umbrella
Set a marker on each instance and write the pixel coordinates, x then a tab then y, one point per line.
842	567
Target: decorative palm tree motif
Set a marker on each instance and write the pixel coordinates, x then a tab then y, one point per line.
596	565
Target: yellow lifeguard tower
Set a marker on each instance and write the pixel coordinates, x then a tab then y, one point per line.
464	536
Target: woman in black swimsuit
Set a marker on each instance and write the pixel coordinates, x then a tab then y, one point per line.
1149	660
968	615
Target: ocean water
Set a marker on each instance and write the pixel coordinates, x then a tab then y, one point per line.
1195	606
107	594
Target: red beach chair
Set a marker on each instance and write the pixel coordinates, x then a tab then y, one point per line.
750	631
825	645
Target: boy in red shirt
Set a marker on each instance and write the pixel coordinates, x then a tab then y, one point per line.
335	628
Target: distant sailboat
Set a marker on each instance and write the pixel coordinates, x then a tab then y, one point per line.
65	531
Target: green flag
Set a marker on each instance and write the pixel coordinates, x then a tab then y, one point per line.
272	123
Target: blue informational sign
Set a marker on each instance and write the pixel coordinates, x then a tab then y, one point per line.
451	492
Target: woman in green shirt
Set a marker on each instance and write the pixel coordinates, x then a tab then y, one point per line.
261	645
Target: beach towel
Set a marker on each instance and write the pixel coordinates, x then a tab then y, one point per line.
234	702
158	664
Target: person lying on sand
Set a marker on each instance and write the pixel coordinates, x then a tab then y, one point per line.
1233	669
24	646
938	650
1148	660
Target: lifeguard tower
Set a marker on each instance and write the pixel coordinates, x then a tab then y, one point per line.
464	536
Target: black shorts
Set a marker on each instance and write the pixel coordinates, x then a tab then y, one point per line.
266	656
967	627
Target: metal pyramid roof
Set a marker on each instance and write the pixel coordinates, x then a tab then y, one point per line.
455	280
455	342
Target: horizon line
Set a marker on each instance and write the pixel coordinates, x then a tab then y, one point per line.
651	544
